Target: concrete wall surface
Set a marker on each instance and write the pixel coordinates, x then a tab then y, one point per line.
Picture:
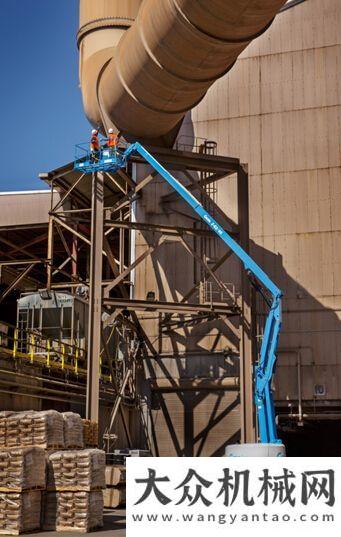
279	111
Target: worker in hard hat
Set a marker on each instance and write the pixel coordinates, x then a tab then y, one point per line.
94	145
113	140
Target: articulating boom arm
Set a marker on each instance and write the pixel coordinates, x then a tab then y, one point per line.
265	368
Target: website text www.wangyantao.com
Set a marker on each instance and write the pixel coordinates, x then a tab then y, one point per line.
230	519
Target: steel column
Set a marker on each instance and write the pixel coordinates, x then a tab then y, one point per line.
50	238
245	346
95	297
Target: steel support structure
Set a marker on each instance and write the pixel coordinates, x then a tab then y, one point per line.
101	221
246	350
95	297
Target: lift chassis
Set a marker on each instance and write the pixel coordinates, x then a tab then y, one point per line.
264	370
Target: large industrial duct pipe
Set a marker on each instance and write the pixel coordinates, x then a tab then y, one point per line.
166	61
102	23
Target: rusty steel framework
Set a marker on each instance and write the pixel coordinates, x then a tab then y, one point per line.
102	221
89	230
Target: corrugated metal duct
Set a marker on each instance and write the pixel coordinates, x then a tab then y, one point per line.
162	66
102	24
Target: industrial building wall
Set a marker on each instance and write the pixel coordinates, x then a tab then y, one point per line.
279	111
25	208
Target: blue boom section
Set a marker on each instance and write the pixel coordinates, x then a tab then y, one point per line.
265	368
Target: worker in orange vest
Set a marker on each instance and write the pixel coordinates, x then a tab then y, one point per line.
113	140
94	145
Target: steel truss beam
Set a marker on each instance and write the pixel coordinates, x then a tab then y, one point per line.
165	230
174	307
21	262
16	281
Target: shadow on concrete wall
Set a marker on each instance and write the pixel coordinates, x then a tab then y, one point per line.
179	427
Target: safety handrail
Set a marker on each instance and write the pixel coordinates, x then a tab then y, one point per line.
30	331
75	362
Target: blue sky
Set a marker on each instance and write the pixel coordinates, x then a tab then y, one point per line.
41	107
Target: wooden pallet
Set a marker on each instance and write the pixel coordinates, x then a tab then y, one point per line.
42	446
17	532
74	489
18	490
71	529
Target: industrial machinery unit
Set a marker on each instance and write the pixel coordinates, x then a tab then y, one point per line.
55	316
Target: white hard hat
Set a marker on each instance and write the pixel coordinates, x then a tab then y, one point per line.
111	131
94	131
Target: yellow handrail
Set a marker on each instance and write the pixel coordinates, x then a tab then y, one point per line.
32	342
15	343
48	352
48	345
63	355
76	361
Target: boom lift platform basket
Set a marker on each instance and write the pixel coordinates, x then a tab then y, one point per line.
106	159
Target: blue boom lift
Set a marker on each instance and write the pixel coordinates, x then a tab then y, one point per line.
112	160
